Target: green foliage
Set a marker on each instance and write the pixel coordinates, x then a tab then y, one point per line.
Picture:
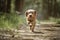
58	21
11	20
52	19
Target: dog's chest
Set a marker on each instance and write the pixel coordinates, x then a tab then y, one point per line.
30	19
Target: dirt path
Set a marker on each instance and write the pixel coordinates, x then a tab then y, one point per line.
42	32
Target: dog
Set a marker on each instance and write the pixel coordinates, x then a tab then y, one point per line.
31	18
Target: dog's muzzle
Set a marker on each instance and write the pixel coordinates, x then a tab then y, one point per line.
30	15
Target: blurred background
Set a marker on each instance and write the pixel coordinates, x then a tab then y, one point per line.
12	12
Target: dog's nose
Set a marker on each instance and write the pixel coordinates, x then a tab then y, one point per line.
30	15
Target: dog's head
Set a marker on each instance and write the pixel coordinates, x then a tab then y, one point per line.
30	13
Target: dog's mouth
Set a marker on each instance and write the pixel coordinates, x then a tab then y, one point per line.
30	20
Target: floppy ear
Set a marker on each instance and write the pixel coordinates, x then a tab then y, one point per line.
35	13
26	13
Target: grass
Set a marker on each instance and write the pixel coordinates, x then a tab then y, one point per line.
58	21
51	20
11	20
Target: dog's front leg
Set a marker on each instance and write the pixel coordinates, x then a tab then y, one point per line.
30	26
33	26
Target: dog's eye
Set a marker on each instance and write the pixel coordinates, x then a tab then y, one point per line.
32	13
26	13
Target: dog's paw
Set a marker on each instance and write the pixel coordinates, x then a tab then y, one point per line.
32	30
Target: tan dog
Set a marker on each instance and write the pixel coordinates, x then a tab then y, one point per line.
31	18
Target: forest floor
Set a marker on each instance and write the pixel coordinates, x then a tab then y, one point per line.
42	31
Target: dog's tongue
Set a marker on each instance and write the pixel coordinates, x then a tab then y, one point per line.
30	24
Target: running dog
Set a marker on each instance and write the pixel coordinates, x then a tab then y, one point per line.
31	18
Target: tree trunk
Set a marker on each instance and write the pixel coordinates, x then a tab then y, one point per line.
45	8
5	5
19	5
49	7
2	5
8	5
55	9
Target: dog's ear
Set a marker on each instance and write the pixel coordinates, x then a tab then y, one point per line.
26	13
35	12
